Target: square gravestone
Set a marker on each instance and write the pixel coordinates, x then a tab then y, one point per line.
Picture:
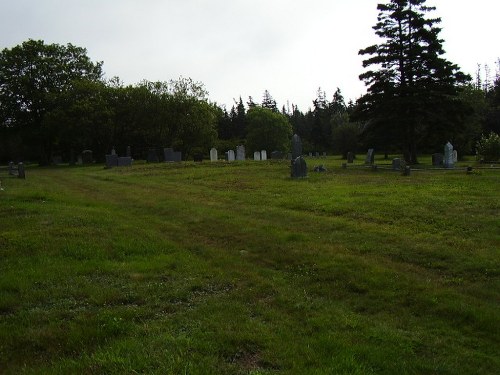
263	155
299	168
276	155
256	155
124	161
177	156
213	154
168	154
87	157
370	156
230	155
437	160
240	152
111	161
296	146
396	164
152	156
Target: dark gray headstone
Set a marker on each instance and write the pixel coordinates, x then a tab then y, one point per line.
168	154
396	164
240	152
12	169
299	168
437	160
20	171
152	156
276	155
111	161
350	157
124	161
296	147
87	157
370	156
177	156
230	155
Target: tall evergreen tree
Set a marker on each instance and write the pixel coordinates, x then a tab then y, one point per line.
412	90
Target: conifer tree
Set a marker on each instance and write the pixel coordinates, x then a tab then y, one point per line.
412	90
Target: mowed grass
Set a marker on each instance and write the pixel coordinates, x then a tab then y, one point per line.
219	268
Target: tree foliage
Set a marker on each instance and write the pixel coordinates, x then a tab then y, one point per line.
412	91
267	130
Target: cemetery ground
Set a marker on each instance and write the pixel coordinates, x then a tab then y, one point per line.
234	268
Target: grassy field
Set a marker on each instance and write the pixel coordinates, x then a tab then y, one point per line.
218	268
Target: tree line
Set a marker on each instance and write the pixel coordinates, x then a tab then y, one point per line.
55	101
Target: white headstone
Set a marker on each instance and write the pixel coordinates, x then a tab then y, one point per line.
263	155
256	155
230	155
213	154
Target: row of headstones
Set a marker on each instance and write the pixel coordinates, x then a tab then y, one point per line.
169	155
448	159
113	160
17	170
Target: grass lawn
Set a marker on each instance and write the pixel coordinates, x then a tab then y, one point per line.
219	268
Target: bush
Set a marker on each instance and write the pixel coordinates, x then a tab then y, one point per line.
488	147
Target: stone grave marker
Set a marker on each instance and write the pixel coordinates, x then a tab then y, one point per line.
370	156
230	155
350	157
152	156
124	161
177	155
12	170
20	171
213	154
396	164
240	152
296	146
448	155
455	156
437	159
263	155
111	161
256	155
87	157
299	168
168	154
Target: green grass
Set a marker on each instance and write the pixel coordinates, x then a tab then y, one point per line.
220	268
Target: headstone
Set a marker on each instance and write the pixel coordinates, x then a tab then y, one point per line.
370	156
320	168
437	160
296	147
263	155
168	154
129	152
20	171
111	161
299	168
198	158
448	155
177	156
350	157
396	164
324	154
276	155
455	156
12	170
124	161
230	155
113	151
256	155
406	171
316	154
240	152
56	160
87	157
213	154
79	160
152	156
310	155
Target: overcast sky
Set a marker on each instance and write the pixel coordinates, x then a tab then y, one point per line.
241	47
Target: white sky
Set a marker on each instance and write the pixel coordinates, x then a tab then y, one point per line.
241	47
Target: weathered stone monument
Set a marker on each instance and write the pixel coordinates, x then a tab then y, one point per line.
437	160
152	156
240	152
350	157
256	155
124	161
263	155
87	157
111	161
396	164
213	154
296	147
230	155
20	171
448	155
168	154
299	168
370	156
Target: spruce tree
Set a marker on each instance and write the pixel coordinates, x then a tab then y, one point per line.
411	88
